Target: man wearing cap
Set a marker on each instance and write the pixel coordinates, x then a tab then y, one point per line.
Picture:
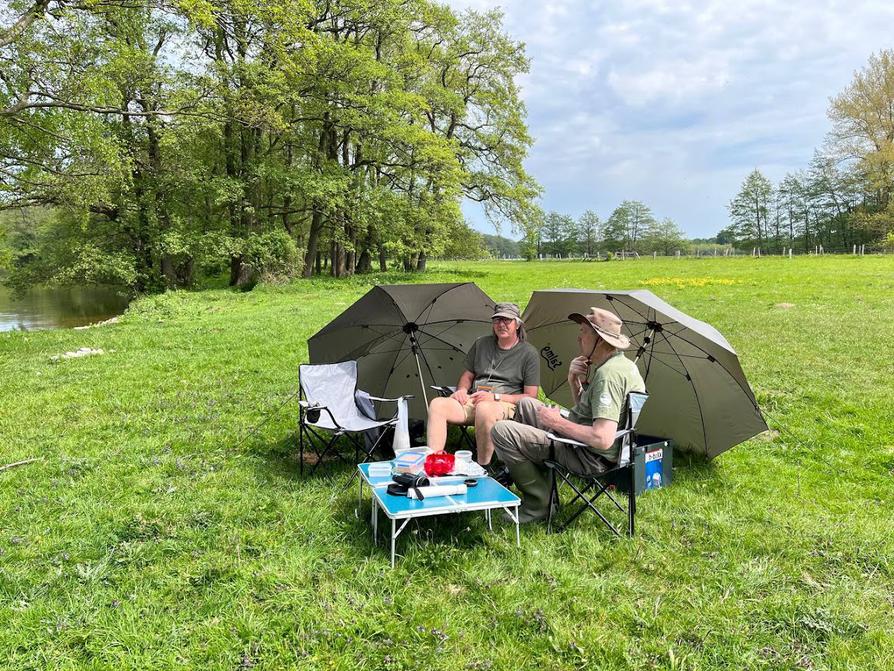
523	445
500	370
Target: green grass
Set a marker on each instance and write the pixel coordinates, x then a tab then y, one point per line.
152	536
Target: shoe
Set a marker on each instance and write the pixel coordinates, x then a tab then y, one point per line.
534	486
500	473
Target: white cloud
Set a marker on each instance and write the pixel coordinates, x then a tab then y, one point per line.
674	103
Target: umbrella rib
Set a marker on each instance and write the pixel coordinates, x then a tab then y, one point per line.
698	402
615	298
401	349
748	395
367	346
457	320
446	342
434	300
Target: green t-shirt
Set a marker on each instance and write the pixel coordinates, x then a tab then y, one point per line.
507	371
606	395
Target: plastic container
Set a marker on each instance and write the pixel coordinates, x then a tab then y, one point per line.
380	469
463	460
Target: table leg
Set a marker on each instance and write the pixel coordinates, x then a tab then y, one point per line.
393	538
359	498
488	514
517	530
375	521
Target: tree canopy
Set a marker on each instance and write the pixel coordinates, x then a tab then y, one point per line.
171	137
843	197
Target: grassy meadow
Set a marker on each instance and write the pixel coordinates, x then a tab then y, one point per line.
156	533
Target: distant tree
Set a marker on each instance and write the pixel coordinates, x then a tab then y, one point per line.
627	226
500	247
665	237
750	209
588	229
863	137
559	234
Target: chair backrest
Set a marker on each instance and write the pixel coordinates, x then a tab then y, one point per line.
635	402
332	385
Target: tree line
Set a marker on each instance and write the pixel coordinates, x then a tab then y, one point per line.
843	198
631	228
148	141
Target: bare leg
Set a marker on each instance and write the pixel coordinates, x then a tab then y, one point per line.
442	411
487	413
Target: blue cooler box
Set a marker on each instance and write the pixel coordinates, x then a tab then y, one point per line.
653	463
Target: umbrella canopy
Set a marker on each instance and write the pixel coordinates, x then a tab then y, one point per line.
699	396
406	337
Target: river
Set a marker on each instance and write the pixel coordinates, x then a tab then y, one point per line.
62	307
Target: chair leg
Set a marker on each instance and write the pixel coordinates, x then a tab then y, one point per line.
631	507
553	500
301	448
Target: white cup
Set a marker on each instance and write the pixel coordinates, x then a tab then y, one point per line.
463	460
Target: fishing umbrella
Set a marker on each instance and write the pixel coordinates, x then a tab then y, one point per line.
698	394
406	337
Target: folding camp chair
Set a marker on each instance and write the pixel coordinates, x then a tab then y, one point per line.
620	476
464	435
330	401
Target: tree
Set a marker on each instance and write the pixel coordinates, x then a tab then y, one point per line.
559	234
589	231
665	237
627	225
171	138
750	209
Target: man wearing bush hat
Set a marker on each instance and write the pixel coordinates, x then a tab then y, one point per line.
523	444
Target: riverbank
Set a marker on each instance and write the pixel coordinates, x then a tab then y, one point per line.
156	532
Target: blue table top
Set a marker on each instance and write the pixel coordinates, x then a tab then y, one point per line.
488	493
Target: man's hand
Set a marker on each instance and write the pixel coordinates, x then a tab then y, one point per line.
480	396
461	396
548	418
577	369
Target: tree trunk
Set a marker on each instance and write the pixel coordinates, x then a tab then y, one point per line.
383	259
420	262
364	262
313	239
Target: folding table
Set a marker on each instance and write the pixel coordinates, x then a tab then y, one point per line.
487	495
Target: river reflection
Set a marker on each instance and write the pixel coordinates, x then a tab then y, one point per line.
62	307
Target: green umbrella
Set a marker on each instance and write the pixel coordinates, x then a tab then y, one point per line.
698	394
406	337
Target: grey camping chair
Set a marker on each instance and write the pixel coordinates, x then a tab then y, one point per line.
621	475
330	402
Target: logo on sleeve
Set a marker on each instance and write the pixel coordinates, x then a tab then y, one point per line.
605	400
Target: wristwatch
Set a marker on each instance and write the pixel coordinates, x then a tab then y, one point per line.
497	397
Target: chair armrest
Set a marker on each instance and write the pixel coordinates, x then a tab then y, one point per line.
443	390
565	441
377	398
308	404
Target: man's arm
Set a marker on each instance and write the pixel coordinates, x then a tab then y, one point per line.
577	375
466	380
599	436
529	391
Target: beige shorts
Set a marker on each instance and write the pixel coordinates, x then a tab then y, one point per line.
508	411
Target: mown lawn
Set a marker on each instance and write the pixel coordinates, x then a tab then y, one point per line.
154	535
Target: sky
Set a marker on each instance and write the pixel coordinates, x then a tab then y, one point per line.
673	103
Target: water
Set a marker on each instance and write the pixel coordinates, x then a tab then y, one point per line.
59	307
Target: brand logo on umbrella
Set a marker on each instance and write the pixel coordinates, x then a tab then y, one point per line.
551	358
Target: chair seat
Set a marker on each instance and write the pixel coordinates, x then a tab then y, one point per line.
352	424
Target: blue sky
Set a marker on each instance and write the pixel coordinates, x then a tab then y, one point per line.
674	103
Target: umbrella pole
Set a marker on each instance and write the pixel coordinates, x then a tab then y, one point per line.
415	347
648	338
